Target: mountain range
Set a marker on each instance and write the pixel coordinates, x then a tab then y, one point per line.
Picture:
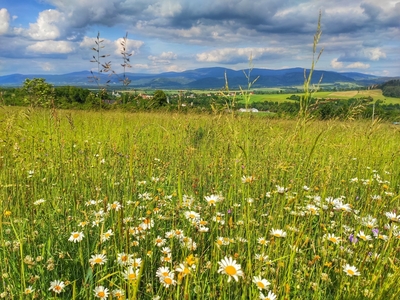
203	78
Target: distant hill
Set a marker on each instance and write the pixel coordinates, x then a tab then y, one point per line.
203	78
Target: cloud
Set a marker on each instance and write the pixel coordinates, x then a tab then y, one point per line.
163	58
46	27
358	65
237	55
336	64
51	47
375	54
132	46
4	21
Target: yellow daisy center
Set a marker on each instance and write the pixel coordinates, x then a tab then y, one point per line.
333	239
132	276
230	270
58	288
101	294
75	235
351	272
168	280
260	285
98	260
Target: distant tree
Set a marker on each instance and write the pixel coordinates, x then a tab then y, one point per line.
159	98
38	92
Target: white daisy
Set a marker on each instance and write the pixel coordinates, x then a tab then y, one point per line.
229	267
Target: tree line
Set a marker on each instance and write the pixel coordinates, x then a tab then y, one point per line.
38	93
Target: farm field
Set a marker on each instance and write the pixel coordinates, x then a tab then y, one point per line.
112	205
375	94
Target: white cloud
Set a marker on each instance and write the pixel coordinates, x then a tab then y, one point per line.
131	46
4	21
51	47
163	58
375	54
336	64
358	65
164	8
232	55
46	66
46	27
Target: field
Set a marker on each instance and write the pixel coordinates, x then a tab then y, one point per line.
344	95
112	205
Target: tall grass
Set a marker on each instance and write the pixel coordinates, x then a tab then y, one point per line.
57	172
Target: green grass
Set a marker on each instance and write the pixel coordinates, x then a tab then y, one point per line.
342	95
267	174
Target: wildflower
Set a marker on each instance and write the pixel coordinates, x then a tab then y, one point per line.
38	202
57	286
262	241
169	280
270	296
192	216
162	271
83	224
261	283
159	241
369	221
332	238
98	259
277	233
147	223
351	270
165	276
262	257
106	235
353	239
212	200
115	206
136	262
248	179
229	267
363	236
392	216
101	292
178	233
76	236
118	293
202	228
182	270
312	209
339	205
218	218
29	290
280	189
167	258
130	273
381	237
124	259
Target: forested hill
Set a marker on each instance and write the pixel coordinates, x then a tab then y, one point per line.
391	88
203	78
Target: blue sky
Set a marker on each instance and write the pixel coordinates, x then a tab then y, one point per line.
56	36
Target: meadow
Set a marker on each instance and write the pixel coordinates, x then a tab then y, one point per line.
113	205
341	95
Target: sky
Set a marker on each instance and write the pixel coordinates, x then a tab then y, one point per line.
58	36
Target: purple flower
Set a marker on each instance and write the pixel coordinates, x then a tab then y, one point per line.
375	231
353	239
